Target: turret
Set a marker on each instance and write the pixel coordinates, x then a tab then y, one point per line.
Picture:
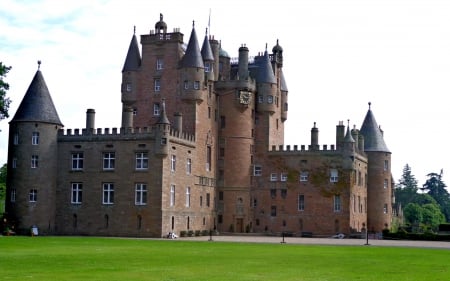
266	82
130	73
208	59
32	160
192	71
162	133
379	193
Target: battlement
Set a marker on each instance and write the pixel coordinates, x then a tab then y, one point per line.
138	132
303	148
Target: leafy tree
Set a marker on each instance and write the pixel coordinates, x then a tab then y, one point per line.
406	189
4	101
436	188
432	215
413	213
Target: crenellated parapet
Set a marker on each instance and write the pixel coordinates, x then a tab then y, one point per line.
301	148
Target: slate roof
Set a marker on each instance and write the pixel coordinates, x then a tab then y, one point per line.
192	57
206	51
265	72
133	59
373	136
37	104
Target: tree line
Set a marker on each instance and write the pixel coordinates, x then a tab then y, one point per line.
424	207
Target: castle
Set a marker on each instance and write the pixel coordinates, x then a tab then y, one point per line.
200	148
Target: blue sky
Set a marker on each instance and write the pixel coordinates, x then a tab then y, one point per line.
339	55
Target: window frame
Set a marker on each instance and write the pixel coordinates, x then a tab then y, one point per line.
77	161
32	195
109	161
34	161
108	193
76	196
140	194
35	138
142	161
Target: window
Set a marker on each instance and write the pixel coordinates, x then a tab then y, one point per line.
273	211
77	193
141	160
173	163
283	193
35	138
13	195
301	202
77	161
337	203
220	195
128	87
283	177
207	66
16	138
304	176
186	84
109	160
196	85
140	194
260	99
333	175
273	177
208	158
257	170
273	193
385	208
34	161
386	165
156	109
385	184
188	166
159	64
269	99
208	199
201	201
188	196
108	193
172	195
33	195
222	152
134	111
14	163
157	83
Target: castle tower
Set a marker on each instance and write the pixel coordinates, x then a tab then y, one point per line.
130	81
379	193
32	160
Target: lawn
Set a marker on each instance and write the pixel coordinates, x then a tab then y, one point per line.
88	258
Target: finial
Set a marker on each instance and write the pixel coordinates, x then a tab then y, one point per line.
193	23
39	64
314	124
348	122
206	32
134	30
160	16
266	47
369	104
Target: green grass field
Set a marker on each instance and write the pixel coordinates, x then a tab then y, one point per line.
87	258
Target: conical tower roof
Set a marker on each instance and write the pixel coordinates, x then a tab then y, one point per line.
163	116
265	72
133	59
37	104
373	136
283	86
206	51
193	56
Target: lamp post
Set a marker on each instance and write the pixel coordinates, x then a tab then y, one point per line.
210	235
367	235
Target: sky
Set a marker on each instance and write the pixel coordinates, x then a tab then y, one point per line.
339	55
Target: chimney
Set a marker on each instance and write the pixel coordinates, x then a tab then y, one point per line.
90	119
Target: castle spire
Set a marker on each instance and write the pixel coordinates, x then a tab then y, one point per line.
133	59
373	136
192	56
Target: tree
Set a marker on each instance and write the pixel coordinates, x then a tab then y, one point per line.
436	188
432	215
406	190
4	101
413	213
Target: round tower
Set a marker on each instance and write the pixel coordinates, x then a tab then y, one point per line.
32	160
379	177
